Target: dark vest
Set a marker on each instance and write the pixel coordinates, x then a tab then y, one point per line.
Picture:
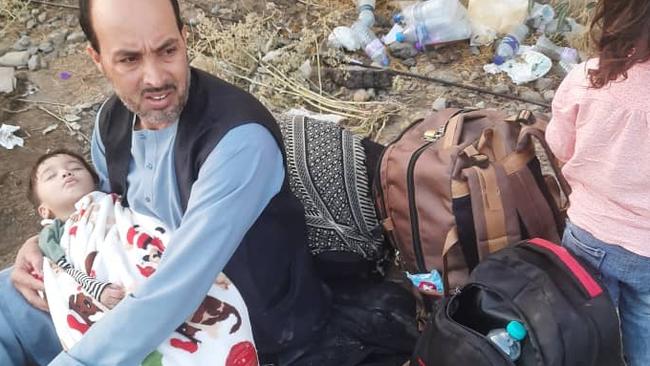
272	267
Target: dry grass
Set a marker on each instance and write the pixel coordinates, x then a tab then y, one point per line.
261	54
9	13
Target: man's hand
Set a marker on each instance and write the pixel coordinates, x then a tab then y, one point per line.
27	275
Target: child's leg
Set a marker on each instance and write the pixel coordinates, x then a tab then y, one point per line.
634	308
582	244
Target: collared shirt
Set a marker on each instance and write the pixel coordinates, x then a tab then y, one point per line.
235	183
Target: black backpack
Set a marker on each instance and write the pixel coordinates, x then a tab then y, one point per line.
567	312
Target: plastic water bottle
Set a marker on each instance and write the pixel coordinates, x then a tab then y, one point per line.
508	339
555	52
509	45
366	10
422	34
370	43
430	10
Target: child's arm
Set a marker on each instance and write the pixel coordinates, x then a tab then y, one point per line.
49	239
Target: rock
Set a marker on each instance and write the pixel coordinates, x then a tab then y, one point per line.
43	64
34	63
428	69
57	38
42	17
22	43
71	20
501	89
360	95
473	76
409	62
372	93
549	95
30	24
439	104
215	9
35	12
305	69
531	95
58	23
475	50
543	84
7	79
402	50
15	59
480	105
46	47
76	37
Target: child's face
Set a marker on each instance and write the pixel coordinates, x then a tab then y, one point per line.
60	182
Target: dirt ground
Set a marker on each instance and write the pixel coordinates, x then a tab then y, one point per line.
45	98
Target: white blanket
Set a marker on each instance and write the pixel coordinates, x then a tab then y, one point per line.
114	244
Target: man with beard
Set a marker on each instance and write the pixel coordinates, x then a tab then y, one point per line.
205	158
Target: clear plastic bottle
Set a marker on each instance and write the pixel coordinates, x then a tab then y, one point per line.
508	339
555	52
422	34
366	10
508	47
428	11
370	43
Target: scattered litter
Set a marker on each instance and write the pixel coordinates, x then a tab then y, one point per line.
526	67
65	75
50	128
7	138
492	17
391	36
541	16
343	37
427	282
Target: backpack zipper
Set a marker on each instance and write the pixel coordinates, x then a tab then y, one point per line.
415	225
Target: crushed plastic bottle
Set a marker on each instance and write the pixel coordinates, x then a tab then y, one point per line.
508	339
509	45
433	22
370	43
555	52
366	10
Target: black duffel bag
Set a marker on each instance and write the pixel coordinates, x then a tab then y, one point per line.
568	315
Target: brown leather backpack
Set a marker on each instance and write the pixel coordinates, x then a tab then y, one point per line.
461	184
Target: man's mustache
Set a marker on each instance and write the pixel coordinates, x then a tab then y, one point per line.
164	88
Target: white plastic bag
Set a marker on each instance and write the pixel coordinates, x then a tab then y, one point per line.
490	18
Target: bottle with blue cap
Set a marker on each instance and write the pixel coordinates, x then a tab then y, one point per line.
509	339
508	47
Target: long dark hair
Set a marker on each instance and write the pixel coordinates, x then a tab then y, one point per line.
620	30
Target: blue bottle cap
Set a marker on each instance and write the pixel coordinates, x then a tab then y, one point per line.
398	18
516	330
400	37
498	60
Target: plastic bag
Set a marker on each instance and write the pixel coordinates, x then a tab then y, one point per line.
490	18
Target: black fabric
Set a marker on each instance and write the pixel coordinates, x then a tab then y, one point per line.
327	168
566	326
272	268
462	208
373	324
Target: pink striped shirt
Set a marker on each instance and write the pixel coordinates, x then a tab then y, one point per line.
603	135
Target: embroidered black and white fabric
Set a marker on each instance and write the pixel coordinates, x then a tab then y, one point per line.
328	174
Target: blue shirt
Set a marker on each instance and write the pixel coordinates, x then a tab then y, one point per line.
236	182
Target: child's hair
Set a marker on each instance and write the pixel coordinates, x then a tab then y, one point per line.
31	187
620	32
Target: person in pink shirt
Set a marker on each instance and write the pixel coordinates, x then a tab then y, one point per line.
600	130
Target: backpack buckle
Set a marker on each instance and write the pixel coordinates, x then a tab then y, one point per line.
524	117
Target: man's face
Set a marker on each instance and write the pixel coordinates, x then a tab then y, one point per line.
144	56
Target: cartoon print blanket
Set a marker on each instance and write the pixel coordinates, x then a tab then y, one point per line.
111	243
